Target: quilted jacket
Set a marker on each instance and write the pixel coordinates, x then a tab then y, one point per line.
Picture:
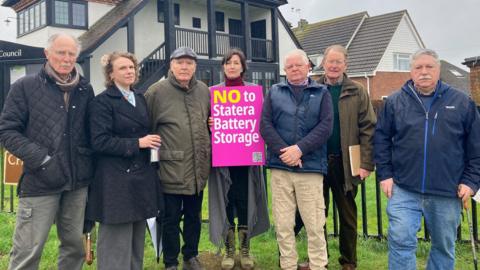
35	122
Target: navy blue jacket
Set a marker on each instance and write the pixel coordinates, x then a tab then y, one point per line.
429	150
308	124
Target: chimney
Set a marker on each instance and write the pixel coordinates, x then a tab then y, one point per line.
302	23
474	64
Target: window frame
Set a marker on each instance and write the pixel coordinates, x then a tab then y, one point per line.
85	14
196	23
30	19
397	58
161	12
222	26
70	14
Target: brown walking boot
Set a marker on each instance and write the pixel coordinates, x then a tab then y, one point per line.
245	261
228	261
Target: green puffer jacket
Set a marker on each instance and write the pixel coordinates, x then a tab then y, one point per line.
179	115
357	125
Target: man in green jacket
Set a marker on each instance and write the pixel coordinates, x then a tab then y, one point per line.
179	107
353	124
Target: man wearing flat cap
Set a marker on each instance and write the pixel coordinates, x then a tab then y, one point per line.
179	107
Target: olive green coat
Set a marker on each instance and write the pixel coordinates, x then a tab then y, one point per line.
179	115
357	125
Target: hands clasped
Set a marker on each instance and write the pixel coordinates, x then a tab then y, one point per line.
291	155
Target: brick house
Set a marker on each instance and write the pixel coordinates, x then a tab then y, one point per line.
379	47
474	64
455	76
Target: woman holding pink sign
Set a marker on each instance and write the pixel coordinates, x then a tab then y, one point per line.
236	191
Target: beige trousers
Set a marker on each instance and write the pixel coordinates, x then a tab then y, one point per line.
305	191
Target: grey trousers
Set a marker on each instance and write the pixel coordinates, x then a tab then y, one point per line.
35	216
120	246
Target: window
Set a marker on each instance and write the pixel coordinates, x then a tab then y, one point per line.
196	22
319	60
257	77
20	23
37	16
204	75
161	12
176	14
220	21
269	81
25	22
31	18
456	73
78	14
43	13
265	78
61	12
401	61
70	13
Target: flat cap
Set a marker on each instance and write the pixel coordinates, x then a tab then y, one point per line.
183	52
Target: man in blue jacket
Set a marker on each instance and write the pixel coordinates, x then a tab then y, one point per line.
296	123
427	152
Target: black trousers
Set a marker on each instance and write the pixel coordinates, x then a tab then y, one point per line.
238	196
347	210
190	207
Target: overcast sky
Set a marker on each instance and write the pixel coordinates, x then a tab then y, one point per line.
450	27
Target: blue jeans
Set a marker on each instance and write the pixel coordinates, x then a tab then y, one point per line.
442	216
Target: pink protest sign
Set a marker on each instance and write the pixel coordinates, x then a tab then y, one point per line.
236	113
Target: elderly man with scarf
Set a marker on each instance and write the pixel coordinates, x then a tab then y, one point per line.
44	123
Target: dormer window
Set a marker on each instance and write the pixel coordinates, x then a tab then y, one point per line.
61	13
72	14
456	73
32	18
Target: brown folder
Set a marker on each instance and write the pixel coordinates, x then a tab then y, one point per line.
354	153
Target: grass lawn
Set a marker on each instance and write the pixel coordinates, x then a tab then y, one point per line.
372	253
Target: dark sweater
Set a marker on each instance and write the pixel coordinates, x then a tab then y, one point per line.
333	144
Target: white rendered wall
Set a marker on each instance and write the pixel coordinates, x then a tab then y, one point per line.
96	11
257	14
404	40
117	42
149	33
286	44
39	38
